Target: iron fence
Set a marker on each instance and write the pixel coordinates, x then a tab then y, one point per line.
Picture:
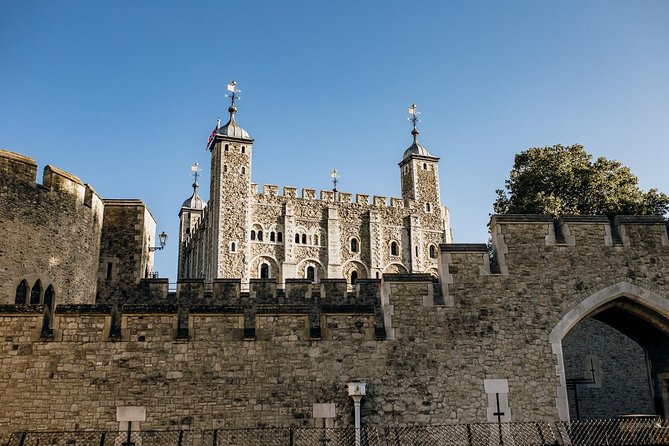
616	432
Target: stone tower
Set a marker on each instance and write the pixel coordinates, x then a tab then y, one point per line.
230	200
419	176
190	216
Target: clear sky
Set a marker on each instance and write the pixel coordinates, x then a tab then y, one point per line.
125	93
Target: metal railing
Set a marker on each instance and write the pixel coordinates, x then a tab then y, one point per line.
615	432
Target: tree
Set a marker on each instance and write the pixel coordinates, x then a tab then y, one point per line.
561	180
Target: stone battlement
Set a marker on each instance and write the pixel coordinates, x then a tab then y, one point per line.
51	224
302	311
269	192
524	242
16	168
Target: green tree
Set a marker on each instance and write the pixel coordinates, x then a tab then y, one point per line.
562	180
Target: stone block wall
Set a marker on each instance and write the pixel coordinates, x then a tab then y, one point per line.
50	232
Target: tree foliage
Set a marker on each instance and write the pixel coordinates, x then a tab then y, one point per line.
561	180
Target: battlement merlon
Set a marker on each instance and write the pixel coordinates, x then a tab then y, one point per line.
518	239
271	190
17	167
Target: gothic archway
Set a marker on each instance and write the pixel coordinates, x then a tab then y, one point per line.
611	346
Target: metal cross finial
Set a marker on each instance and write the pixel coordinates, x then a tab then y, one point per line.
334	177
232	88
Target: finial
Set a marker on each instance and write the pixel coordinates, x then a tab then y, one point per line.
195	168
232	88
414	120
334	177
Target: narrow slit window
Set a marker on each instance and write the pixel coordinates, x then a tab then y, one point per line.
393	249
272	237
279	237
110	269
297	238
253	234
304	239
21	293
36	293
260	236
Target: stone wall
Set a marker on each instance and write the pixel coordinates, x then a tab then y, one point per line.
127	233
226	358
594	351
50	232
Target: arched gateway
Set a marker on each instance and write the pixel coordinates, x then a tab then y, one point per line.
639	314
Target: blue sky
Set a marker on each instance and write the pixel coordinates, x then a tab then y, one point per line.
124	94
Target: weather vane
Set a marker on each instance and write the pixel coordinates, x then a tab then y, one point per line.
334	177
414	115
195	168
232	88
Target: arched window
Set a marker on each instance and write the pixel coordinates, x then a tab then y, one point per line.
36	293
428	207
304	239
21	293
233	247
49	297
264	271
260	235
377	274
279	237
297	238
424	166
272	237
311	273
433	252
354	277
354	245
393	249
243	170
225	168
226	148
243	149
316	239
253	234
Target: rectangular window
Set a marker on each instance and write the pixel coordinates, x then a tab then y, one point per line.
110	268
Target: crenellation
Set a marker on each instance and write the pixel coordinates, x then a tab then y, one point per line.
345	197
396	202
17	167
327	195
308	194
270	190
61	181
379	200
289	192
362	199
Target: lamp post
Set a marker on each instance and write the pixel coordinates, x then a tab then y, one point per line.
356	390
162	238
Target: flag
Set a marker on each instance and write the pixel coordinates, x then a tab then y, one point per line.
412	109
195	167
211	138
231	86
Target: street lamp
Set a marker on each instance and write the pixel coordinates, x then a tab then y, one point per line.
162	238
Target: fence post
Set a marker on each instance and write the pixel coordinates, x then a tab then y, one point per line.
22	440
102	438
181	437
215	437
541	434
290	436
470	440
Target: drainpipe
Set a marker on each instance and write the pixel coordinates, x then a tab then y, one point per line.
356	390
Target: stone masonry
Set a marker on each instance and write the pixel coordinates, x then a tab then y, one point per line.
247	233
